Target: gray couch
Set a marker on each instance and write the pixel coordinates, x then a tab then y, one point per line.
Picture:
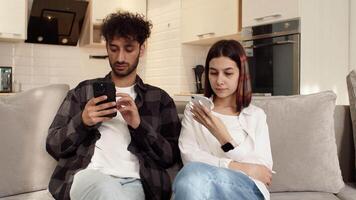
26	167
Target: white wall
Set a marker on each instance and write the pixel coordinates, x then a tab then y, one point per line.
169	63
352	34
37	65
325	47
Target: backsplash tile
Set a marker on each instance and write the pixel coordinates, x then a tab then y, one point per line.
37	65
169	63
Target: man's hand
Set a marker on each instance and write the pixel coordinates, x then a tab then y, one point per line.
256	171
128	109
93	114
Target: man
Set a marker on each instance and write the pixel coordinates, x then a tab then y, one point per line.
124	157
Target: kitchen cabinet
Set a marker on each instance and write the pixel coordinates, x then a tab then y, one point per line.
13	20
256	12
97	11
204	21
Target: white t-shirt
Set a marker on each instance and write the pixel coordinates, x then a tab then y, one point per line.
111	155
249	130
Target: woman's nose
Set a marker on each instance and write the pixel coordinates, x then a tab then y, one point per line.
220	80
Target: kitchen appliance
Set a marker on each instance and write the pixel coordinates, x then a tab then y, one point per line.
56	22
273	53
5	79
198	72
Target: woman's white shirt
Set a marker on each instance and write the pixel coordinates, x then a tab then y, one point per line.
249	130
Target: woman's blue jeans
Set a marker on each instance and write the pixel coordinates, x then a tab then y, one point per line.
197	181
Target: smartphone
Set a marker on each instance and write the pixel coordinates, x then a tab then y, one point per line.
105	88
208	103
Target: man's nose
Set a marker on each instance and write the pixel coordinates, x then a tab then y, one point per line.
121	56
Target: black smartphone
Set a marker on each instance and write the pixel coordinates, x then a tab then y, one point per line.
105	88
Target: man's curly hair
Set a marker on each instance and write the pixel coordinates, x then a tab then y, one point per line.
127	25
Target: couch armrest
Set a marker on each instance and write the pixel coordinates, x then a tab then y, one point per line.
348	192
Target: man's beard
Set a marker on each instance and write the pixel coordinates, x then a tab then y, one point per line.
128	71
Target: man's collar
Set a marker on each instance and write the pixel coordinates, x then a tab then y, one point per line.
138	81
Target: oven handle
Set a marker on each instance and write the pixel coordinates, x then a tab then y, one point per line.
270	44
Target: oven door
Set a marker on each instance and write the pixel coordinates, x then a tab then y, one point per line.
274	64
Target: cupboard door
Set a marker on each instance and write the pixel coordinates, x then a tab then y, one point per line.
135	6
256	12
100	9
206	19
13	19
192	21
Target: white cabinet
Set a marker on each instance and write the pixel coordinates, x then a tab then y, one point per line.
203	21
135	6
102	8
97	11
13	20
256	12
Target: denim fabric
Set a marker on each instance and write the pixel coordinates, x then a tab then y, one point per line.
90	184
197	181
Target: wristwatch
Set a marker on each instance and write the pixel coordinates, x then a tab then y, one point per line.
229	146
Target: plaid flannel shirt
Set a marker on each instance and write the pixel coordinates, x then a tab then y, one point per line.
154	142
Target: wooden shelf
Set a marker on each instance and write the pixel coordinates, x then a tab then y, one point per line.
7	93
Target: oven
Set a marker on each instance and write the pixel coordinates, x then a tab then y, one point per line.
273	53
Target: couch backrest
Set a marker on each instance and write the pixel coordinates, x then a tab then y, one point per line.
24	122
345	142
343	136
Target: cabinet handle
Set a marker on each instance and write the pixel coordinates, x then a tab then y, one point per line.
204	34
98	56
268	16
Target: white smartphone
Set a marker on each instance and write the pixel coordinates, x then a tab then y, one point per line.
198	99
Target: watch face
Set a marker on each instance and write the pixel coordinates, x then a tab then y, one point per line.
227	147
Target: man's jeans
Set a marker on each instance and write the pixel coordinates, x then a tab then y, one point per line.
197	181
90	184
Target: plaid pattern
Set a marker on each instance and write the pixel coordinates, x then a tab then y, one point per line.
154	142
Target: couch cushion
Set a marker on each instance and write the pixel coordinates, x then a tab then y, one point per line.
303	196
38	195
351	86
24	122
348	192
303	142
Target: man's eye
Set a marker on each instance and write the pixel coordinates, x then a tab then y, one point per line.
213	73
129	49
113	49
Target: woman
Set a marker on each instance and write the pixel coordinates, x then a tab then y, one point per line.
226	151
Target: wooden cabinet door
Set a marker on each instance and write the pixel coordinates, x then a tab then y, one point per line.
256	12
13	19
100	9
204	19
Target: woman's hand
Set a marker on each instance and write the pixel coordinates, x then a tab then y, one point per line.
256	171
204	116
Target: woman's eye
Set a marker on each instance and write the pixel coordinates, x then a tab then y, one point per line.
228	74
213	73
